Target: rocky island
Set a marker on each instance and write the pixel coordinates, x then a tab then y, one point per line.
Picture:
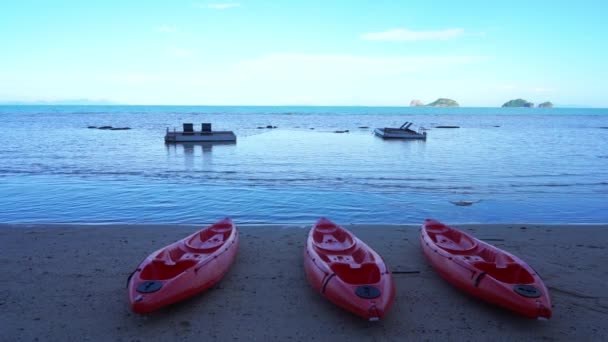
416	103
546	105
443	102
518	103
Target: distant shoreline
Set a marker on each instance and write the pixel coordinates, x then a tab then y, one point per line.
557	107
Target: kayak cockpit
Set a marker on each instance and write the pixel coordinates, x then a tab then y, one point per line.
453	241
357	274
207	241
511	273
336	241
164	266
211	239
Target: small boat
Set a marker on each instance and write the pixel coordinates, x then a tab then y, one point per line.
484	271
348	272
184	268
403	132
204	135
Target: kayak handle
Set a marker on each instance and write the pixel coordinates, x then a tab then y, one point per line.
130	276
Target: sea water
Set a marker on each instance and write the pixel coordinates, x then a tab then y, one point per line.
509	164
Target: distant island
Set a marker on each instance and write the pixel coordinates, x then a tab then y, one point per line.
66	102
518	103
442	102
526	104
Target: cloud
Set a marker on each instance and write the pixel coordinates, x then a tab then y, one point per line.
220	6
166	29
405	35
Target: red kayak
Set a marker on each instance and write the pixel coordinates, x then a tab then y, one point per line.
184	268
348	272
484	271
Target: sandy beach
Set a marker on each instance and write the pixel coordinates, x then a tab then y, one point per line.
67	283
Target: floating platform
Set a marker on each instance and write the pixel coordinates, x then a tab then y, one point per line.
204	135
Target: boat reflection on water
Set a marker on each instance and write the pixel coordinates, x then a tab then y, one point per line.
190	152
190	147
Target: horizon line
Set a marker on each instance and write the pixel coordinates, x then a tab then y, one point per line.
8	103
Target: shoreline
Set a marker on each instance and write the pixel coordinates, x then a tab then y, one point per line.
295	225
67	282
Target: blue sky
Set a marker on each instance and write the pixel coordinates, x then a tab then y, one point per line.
332	52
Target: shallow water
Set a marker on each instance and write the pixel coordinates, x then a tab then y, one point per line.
516	165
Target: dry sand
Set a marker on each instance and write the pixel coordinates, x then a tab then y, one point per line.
67	283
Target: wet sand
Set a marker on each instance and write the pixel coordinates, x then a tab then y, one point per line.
67	283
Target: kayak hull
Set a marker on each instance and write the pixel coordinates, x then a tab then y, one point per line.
184	268
348	272
485	271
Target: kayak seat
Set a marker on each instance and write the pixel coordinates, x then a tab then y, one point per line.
435	227
493	256
207	241
221	227
325	226
332	244
355	260
510	272
169	256
159	269
338	241
340	258
454	244
358	274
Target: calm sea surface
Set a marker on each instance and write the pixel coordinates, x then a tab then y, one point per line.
516	165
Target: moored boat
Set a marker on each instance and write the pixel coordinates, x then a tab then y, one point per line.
183	268
204	135
484	271
403	132
348	272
